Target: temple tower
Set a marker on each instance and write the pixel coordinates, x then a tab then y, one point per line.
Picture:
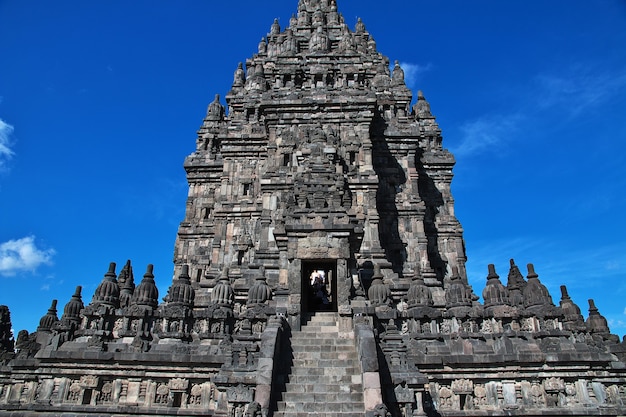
320	163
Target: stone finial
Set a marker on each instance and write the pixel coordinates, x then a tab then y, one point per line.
515	285
515	277
572	319
346	42
47	320
215	111
422	107
535	293
379	294
458	294
494	294
275	29
126	274
72	309
397	77
108	292
126	281
181	292
360	26
419	294
259	292
239	79
596	323
381	80
262	46
146	293
223	294
319	42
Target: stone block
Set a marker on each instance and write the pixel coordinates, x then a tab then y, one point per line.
371	398
371	380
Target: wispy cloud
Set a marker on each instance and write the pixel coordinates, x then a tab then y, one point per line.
578	89
487	134
5	143
414	72
22	255
573	91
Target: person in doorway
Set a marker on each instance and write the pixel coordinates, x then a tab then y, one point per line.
318	283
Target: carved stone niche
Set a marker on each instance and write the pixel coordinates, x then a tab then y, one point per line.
178	390
447	399
89	381
554	385
178	384
240	394
462	386
463	389
195	396
554	392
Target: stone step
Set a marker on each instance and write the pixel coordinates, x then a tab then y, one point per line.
323	323
321	388
330	349
317	407
297	381
325	378
323	315
318	414
320	376
325	355
319	329
326	397
324	363
312	340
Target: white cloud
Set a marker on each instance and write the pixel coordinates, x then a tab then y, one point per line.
5	143
570	93
413	72
487	134
22	255
579	88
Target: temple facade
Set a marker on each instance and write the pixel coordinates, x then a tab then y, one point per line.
319	270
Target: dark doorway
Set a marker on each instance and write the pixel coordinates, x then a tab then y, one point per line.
319	286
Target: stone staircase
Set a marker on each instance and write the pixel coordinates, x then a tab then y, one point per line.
325	378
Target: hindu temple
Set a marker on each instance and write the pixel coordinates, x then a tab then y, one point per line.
319	271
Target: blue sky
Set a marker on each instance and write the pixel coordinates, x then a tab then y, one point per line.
100	102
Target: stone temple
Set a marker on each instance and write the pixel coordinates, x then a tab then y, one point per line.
319	271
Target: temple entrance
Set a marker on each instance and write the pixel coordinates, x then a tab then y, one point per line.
319	286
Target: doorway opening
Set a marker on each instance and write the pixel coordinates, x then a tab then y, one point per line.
319	286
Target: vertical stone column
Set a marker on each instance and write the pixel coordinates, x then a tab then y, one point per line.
295	294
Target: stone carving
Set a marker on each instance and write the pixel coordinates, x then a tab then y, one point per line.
240	394
162	395
381	411
462	386
254	410
74	394
446	398
317	160
379	294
